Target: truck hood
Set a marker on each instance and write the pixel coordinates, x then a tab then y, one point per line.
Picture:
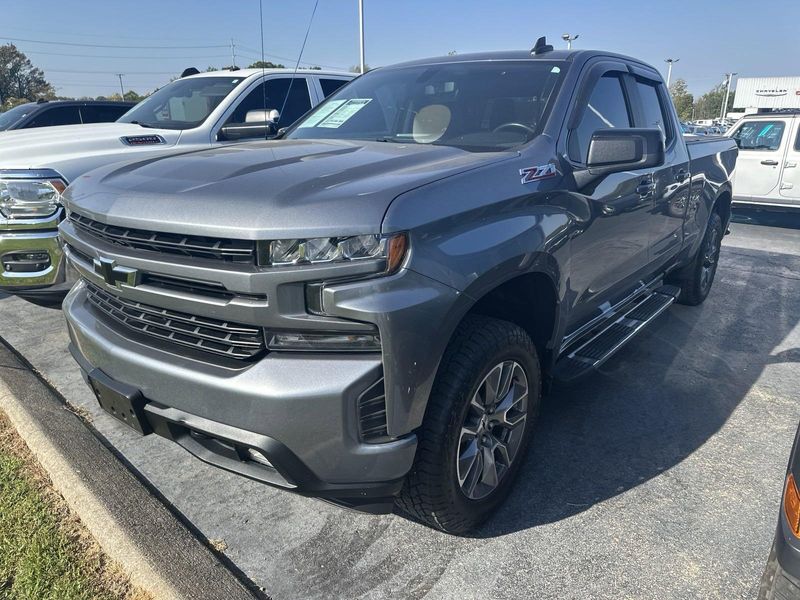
268	190
62	147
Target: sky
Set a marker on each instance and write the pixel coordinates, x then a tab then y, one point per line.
83	52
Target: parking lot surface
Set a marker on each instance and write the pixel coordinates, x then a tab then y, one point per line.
657	477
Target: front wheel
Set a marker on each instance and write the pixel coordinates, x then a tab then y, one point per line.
479	420
698	276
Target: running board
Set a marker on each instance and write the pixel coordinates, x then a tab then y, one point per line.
598	346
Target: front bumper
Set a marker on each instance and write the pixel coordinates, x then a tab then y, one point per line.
48	279
297	409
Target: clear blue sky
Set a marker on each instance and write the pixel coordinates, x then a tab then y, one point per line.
709	37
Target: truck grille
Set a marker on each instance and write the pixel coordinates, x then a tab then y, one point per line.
229	250
214	336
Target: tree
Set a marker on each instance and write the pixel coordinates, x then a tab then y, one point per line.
709	105
20	81
261	64
682	99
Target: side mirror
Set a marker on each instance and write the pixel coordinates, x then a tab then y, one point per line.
259	124
616	150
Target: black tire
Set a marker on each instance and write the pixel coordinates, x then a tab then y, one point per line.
696	279
432	492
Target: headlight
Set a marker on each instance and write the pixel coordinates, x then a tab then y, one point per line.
29	198
341	249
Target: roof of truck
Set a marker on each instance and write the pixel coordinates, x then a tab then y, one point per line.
249	72
552	55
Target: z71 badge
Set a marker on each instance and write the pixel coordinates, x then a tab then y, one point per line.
531	174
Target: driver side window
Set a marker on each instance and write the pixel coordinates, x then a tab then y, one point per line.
607	108
271	95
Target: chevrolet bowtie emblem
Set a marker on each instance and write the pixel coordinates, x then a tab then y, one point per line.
113	274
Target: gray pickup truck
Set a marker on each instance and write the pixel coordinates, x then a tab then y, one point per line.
368	309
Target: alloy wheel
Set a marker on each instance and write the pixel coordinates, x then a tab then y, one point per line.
492	430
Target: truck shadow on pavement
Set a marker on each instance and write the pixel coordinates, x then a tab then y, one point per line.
660	398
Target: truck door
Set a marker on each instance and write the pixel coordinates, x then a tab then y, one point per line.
790	177
762	150
671	182
611	253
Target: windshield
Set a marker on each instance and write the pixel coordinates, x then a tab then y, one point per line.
480	106
182	104
11	117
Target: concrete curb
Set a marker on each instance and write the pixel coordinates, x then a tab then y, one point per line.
156	550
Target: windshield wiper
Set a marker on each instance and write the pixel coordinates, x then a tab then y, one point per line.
390	140
146	125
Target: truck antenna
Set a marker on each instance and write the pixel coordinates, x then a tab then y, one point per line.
299	56
263	64
541	46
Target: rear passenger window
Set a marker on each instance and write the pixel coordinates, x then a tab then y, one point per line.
57	115
330	85
655	114
102	114
607	108
759	135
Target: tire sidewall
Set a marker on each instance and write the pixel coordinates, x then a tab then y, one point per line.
714	222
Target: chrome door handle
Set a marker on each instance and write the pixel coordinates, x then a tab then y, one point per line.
770	163
645	188
790	165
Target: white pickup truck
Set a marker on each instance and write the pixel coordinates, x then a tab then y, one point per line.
768	170
191	113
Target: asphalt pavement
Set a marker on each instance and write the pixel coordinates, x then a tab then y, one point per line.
657	477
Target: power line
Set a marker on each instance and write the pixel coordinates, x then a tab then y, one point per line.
108	72
133	57
110	46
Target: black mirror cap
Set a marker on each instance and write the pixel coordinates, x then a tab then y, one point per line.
615	150
246	131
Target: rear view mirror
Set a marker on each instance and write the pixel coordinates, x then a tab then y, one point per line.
259	124
615	150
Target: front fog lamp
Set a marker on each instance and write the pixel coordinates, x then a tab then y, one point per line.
324	342
340	249
27	198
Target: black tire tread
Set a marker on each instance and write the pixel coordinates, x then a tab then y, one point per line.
689	278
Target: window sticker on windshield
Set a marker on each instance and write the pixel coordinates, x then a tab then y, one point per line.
344	113
321	113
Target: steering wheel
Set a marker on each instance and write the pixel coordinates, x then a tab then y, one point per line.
517	125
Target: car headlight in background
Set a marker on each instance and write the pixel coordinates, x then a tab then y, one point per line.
340	249
29	197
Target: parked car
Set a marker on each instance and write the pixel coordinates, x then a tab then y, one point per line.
45	113
781	579
768	170
196	112
698	130
368	308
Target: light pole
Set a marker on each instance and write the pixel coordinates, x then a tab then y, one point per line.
670	61
569	39
121	88
361	34
727	93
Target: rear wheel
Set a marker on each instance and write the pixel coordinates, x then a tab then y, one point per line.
477	427
697	278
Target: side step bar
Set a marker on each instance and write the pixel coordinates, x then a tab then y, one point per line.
599	345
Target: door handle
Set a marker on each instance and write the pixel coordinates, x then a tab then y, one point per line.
770	163
790	165
681	175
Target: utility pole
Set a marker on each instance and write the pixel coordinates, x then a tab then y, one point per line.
362	63
670	61
233	53
121	87
569	39
727	93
